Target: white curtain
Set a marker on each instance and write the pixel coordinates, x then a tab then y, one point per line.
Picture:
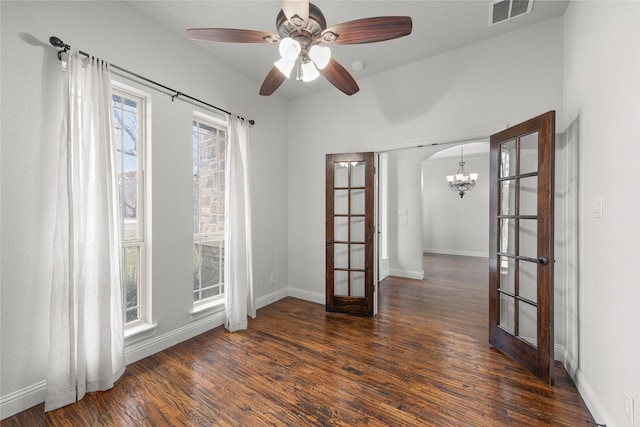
87	341
238	260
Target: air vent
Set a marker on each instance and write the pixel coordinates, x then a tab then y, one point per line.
504	10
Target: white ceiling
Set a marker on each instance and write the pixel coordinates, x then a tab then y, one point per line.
438	26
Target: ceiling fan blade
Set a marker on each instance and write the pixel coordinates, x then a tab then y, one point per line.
340	77
368	30
299	8
272	82
231	35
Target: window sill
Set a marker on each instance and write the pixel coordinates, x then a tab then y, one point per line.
208	309
139	333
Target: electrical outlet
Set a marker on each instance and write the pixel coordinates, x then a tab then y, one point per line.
272	279
628	406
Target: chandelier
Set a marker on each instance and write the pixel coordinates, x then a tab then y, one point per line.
461	181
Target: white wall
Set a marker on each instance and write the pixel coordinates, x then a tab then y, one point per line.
450	224
404	210
601	116
461	90
30	125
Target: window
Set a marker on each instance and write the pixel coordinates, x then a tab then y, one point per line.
129	123
208	145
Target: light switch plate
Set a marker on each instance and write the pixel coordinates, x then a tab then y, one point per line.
596	208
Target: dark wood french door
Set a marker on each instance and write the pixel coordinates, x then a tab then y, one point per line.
349	233
521	249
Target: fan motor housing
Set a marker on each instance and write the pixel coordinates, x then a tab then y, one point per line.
315	25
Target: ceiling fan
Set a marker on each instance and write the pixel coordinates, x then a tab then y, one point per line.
304	42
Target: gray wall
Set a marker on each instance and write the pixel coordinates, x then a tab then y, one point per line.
450	224
601	127
31	117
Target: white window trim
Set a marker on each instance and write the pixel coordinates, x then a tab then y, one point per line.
215	304
204	308
143	328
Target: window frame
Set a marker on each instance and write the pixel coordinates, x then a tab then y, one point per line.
142	326
214	303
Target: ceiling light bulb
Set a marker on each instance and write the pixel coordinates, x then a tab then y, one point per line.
289	48
309	72
285	66
473	176
320	55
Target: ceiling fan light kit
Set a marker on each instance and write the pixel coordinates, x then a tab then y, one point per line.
302	32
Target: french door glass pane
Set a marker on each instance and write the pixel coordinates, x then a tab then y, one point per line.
341	174
340	255
341	202
508	197
341	228
528	323
357	284
507	311
529	153
528	280
357	256
341	283
357	174
357	202
508	159
507	274
357	229
507	236
529	195
528	244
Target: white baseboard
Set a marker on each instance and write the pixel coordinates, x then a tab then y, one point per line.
479	254
591	400
146	348
417	275
271	298
35	394
23	399
318	298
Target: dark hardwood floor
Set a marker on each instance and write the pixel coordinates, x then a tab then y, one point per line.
424	360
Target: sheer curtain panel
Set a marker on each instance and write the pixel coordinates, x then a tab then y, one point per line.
87	342
238	260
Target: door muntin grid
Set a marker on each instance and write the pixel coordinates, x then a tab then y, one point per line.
517	237
349	229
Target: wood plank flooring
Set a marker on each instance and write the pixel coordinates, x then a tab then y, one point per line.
424	360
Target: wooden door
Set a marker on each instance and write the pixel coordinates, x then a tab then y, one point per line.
349	233
521	247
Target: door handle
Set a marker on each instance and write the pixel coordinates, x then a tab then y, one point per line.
542	260
330	241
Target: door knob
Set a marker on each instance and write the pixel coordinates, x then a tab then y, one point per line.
542	260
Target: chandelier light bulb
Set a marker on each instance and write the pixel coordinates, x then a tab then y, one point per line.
321	55
309	72
289	48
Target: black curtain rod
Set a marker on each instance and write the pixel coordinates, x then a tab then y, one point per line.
56	42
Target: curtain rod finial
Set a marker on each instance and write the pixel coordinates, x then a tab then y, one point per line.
55	41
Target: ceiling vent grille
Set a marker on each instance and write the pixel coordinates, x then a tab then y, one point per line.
504	10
